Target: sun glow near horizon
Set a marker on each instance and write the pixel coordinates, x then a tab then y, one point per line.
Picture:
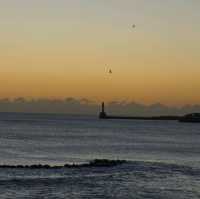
65	48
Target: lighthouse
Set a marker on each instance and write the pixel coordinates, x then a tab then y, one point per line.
102	114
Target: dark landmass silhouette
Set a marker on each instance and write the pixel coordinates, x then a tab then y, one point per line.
87	107
104	115
191	118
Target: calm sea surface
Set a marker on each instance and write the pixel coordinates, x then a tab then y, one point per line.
164	157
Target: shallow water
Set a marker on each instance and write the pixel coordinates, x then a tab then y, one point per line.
164	155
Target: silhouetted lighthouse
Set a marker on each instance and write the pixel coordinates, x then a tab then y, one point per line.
102	113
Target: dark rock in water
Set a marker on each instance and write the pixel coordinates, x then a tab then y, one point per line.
20	166
98	163
93	163
106	162
39	166
34	166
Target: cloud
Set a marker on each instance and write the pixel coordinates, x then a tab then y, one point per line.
84	106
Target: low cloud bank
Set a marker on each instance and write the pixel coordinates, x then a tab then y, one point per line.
87	107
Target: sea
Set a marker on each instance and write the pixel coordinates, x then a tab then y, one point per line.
163	158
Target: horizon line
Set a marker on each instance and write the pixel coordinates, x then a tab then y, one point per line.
88	101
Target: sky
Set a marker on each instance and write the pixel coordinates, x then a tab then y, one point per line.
65	48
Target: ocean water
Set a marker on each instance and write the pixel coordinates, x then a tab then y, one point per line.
163	157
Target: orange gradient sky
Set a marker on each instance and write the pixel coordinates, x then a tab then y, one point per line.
57	49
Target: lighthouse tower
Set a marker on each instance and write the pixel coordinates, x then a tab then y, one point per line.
102	114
